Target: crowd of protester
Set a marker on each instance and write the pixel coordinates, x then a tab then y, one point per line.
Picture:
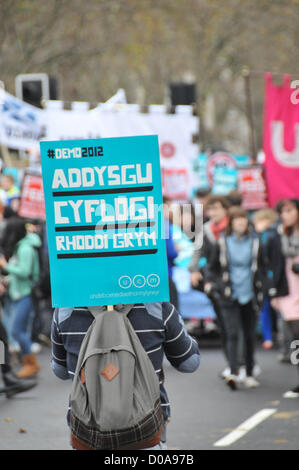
25	293
245	263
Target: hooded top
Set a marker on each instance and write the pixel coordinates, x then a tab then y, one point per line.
23	267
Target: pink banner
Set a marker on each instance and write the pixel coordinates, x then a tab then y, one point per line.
281	140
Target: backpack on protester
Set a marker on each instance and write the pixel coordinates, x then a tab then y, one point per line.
115	396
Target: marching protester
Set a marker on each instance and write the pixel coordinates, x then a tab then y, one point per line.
217	211
170	251
288	305
201	197
22	266
183	232
9	190
234	198
265	224
159	328
42	293
7	316
235	263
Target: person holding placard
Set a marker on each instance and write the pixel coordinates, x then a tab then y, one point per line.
159	327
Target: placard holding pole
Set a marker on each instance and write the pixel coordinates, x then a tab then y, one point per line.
105	224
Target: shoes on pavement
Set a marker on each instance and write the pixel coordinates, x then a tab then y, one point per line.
35	348
14	385
232	380
30	367
256	370
192	325
225	373
251	382
292	393
242	374
14	348
268	344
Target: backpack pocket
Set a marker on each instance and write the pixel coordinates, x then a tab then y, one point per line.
109	383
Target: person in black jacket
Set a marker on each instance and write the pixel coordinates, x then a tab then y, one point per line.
265	223
235	273
288	305
216	209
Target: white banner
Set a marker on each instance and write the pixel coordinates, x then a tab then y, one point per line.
174	131
21	125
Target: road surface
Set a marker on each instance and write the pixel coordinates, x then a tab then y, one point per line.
206	415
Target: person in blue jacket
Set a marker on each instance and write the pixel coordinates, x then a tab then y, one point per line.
171	253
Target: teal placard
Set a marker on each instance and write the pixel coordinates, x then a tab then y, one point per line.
104	215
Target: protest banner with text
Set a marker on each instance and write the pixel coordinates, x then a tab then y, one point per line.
104	221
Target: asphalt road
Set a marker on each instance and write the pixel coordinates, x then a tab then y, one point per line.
204	410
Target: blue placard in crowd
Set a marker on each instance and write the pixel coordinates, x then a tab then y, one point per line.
104	214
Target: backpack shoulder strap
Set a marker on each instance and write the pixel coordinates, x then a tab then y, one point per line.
120	308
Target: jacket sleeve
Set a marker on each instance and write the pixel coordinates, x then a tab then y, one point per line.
277	280
58	360
180	348
24	265
170	249
197	253
212	268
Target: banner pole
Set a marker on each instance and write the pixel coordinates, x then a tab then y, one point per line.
6	156
252	146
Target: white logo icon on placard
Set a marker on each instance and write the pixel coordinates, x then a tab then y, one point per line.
139	280
152	280
125	282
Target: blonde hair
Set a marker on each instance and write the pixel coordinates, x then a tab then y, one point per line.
265	214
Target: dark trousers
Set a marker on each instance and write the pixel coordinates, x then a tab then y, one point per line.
3	338
234	316
294	328
223	335
221	326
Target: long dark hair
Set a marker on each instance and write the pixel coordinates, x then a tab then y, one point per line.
14	231
287	202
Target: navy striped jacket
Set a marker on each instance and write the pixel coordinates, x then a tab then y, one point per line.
159	327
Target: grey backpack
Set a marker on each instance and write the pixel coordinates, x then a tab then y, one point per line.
115	397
